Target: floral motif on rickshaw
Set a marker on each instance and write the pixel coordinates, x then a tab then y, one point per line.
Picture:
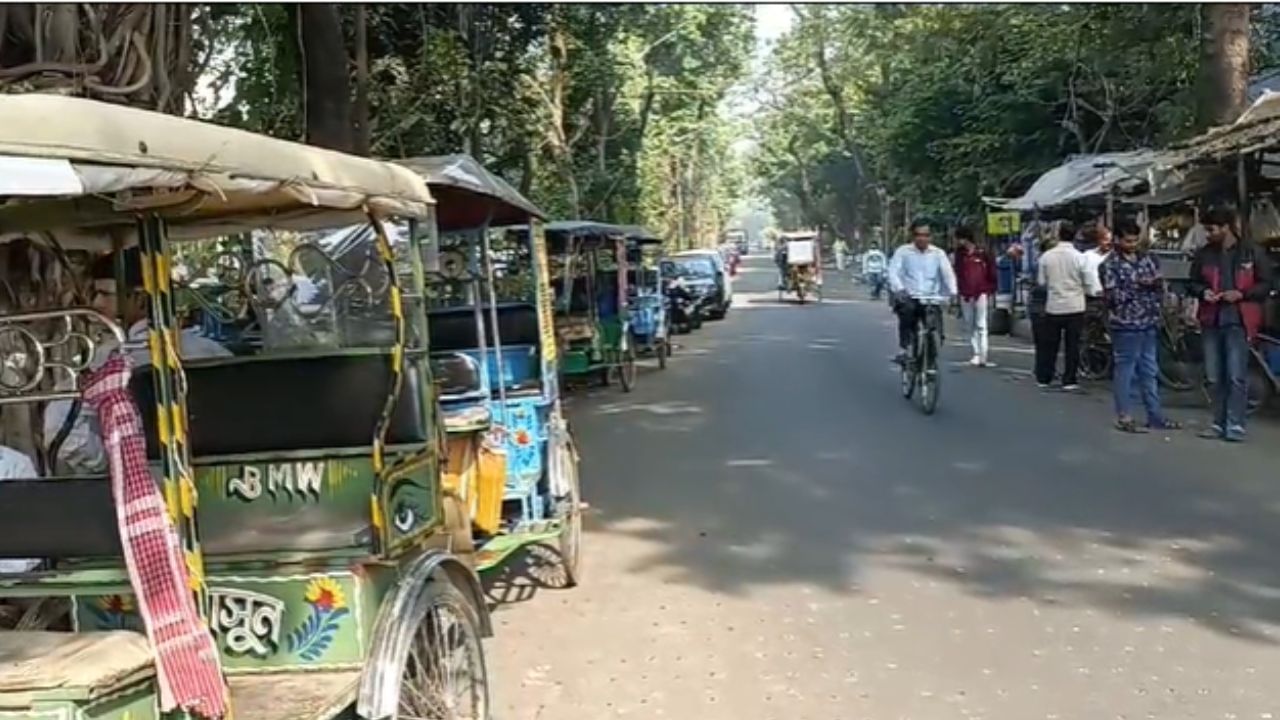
115	612
328	605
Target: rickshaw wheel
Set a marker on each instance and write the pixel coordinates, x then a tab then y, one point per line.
570	541
444	674
627	366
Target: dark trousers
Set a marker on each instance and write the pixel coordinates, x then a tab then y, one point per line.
1226	366
910	313
1053	329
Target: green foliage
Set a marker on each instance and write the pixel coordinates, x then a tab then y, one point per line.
619	127
945	104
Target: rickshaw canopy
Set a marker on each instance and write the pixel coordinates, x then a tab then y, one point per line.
586	234
470	196
76	164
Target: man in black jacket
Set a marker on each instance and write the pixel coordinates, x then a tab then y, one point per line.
1231	279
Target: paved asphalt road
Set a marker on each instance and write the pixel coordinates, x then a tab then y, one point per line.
775	533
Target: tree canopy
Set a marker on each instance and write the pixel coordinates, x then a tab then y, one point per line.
604	111
940	105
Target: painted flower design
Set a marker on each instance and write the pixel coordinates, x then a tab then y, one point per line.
522	437
114	612
326	594
328	605
116	603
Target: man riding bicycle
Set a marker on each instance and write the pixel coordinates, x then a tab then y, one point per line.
917	270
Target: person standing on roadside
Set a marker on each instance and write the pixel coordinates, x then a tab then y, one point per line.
841	249
1098	237
1065	277
1133	287
1231	279
976	279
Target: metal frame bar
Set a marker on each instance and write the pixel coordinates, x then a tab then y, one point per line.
171	401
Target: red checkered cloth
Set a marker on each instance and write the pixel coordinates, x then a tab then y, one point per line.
188	669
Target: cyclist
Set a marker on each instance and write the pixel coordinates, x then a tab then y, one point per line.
917	270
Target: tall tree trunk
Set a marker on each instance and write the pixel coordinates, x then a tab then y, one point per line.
360	114
1224	63
326	83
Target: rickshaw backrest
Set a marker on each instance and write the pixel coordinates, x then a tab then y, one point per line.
455	328
58	518
288	404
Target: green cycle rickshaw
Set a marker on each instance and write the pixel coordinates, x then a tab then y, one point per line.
268	534
593	321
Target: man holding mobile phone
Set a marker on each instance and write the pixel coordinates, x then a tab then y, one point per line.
1231	279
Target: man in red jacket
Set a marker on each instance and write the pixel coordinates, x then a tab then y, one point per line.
1231	280
976	278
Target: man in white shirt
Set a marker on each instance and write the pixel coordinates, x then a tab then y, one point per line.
1099	238
873	263
917	270
81	451
1064	273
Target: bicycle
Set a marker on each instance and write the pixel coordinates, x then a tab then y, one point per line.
1095	346
920	369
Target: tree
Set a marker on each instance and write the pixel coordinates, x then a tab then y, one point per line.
1224	79
326	83
144	55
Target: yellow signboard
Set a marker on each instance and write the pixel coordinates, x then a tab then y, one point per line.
1004	223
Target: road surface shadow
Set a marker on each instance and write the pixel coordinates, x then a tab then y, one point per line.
808	467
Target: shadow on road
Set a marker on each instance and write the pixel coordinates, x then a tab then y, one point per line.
797	462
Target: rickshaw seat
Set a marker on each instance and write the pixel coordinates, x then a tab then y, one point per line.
455	328
79	666
571	329
268	405
58	518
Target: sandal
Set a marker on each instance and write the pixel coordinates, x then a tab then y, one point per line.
1129	425
1165	424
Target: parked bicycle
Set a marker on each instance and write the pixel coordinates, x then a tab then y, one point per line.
920	370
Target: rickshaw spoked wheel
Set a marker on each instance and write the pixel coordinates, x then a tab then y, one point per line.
444	674
627	364
570	541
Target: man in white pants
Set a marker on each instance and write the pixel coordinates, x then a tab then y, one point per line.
976	280
841	249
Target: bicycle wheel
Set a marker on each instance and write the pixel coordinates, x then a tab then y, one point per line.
929	375
1174	369
909	371
1095	356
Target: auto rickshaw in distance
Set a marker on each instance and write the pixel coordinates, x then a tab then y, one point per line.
510	458
592	317
268	537
803	274
650	306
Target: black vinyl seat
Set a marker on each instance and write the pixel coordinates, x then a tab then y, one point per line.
267	405
58	518
453	329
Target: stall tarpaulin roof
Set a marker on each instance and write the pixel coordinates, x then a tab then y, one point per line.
1258	128
469	196
1082	177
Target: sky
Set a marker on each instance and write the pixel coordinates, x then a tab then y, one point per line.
773	20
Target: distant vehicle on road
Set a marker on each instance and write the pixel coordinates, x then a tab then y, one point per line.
706	272
738	239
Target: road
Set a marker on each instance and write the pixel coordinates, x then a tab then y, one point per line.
775	533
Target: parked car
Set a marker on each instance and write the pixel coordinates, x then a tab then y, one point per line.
721	284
